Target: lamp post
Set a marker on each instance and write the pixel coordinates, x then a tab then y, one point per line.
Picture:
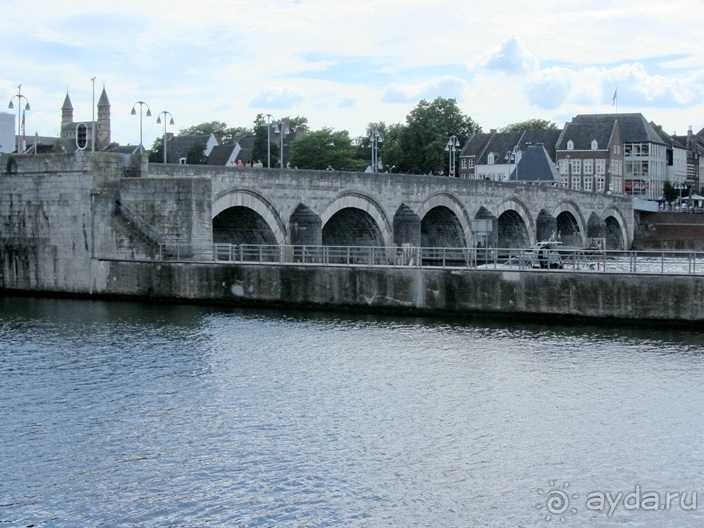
451	147
20	124
376	138
93	127
282	129
134	112
268	120
171	122
512	156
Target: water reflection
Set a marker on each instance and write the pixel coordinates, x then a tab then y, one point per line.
165	415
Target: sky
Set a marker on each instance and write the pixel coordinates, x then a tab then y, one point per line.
344	64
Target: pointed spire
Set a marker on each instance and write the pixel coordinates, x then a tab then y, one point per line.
103	101
67	103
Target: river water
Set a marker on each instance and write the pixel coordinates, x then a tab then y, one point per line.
124	414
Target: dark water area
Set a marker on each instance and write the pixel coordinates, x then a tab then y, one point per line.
128	414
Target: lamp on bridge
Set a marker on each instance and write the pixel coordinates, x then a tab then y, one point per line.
20	117
282	129
268	117
376	138
158	122
134	112
452	146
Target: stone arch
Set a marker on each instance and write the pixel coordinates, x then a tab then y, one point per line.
255	202
366	204
451	202
616	230
515	225
571	225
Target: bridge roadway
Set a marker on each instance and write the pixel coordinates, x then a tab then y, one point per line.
302	207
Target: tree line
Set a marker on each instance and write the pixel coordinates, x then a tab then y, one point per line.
418	146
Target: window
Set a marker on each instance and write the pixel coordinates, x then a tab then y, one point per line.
588	184
576	166
600	183
465	165
600	166
588	166
595	144
570	145
575	183
563	166
490	159
470	162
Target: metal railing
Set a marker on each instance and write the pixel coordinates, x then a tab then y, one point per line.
531	259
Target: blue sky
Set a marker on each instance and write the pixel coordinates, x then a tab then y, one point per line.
345	64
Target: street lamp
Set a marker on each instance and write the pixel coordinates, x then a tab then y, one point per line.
376	138
20	120
269	118
452	145
171	122
134	112
512	156
281	128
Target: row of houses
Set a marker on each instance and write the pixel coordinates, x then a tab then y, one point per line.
618	153
599	153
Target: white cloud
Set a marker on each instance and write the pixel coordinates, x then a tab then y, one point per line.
511	57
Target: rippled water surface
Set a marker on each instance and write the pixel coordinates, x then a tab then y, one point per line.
119	414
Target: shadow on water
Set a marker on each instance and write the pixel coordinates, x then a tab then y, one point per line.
68	311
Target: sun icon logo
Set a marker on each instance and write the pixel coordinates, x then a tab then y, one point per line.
557	501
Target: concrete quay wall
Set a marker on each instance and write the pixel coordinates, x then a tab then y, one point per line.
545	294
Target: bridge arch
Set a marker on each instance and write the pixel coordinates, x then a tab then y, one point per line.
373	219
515	224
571	225
616	231
445	203
256	203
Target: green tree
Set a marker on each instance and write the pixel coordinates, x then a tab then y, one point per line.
530	124
218	128
196	154
428	129
156	154
324	148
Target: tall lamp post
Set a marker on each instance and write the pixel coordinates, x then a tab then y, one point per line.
134	112
452	146
282	129
20	124
93	127
376	138
171	122
268	120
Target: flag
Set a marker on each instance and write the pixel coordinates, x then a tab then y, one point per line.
613	99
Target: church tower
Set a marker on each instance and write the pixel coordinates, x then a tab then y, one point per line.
103	125
66	116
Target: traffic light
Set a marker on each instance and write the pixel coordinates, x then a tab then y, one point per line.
81	136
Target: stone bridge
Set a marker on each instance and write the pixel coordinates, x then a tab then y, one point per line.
301	207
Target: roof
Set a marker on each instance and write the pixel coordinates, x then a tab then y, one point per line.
583	133
178	146
535	165
220	154
500	143
634	128
480	145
